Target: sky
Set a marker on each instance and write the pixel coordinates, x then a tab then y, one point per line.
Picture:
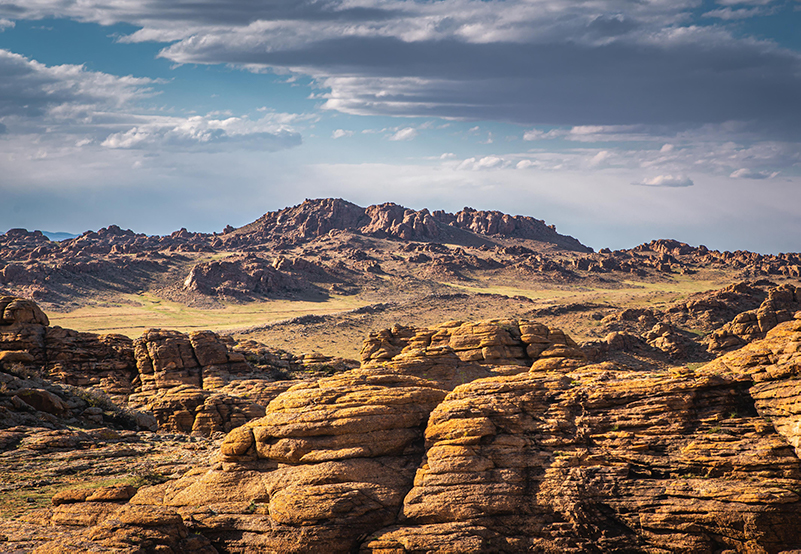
619	121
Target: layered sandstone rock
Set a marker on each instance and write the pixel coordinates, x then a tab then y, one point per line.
773	366
111	527
166	359
457	352
80	359
598	458
22	329
88	360
181	380
328	464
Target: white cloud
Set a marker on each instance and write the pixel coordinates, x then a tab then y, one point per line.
600	158
485	162
673	181
729	14
407	133
512	60
68	106
5	24
744	173
268	133
341	133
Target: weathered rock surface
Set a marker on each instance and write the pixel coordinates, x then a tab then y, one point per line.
457	352
315	218
329	463
243	278
115	528
87	360
595	458
22	329
181	380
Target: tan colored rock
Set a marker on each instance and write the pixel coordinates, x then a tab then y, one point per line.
167	359
457	352
189	409
126	529
780	305
89	360
329	463
22	327
650	462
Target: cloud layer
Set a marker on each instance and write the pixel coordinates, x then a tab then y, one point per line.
561	62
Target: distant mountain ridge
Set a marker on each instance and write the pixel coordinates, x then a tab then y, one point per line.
314	218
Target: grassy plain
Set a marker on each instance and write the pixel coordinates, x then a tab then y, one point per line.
131	314
343	331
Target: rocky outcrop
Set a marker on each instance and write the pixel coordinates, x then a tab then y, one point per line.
457	352
594	458
192	410
22	330
780	305
329	463
192	383
166	359
105	362
599	461
81	359
315	218
39	403
773	368
120	528
242	278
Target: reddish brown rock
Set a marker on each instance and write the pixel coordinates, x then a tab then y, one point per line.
22	328
89	360
189	409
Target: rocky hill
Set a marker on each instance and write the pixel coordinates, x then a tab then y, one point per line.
333	247
315	218
500	436
512	391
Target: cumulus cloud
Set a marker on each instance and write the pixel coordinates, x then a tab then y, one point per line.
5	24
29	88
407	133
673	181
340	133
486	162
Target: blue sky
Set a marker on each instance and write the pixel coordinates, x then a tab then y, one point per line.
619	121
